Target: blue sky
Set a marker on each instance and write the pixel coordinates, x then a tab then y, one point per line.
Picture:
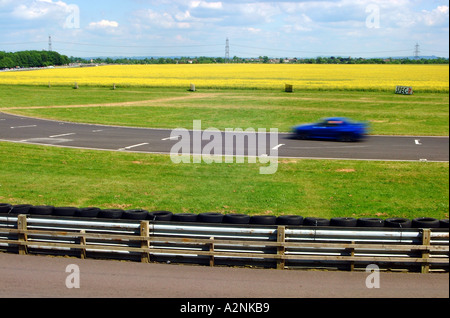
308	28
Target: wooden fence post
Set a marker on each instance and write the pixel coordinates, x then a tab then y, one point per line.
22	237
352	254
145	243
211	249
426	239
281	238
83	243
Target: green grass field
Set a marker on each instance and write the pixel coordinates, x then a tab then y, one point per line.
389	114
70	177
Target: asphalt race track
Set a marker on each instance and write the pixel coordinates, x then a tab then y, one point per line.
45	277
22	129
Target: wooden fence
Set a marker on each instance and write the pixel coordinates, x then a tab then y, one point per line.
278	247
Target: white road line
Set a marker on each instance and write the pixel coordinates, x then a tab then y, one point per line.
64	135
30	126
95	131
418	142
278	147
171	138
134	146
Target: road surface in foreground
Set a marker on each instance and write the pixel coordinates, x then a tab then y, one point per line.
45	277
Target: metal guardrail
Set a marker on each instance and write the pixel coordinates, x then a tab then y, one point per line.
282	247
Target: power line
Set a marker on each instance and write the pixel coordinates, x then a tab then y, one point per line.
139	46
317	52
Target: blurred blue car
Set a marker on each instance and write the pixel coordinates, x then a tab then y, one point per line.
337	128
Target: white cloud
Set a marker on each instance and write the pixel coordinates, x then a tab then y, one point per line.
206	5
42	9
164	20
103	24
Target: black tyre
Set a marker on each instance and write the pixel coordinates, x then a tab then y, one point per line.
20	209
263	219
65	211
236	219
346	137
210	217
398	223
370	222
160	216
344	222
135	215
302	136
41	210
91	212
110	214
443	224
290	220
184	217
428	223
310	221
5	208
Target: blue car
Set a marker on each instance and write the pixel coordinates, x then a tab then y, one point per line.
341	129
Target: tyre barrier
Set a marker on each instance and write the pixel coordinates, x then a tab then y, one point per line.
219	218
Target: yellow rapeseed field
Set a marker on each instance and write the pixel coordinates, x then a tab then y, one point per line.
430	78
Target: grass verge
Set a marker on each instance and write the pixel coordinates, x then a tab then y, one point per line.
68	177
424	114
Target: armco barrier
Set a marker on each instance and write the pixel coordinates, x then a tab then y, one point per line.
269	246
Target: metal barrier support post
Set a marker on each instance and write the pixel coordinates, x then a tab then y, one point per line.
22	237
211	249
83	244
281	238
426	239
145	243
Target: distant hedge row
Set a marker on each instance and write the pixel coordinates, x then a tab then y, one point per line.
25	59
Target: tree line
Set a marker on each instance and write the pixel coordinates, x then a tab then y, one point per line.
28	59
261	59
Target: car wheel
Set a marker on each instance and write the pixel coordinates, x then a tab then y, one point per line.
444	224
302	136
346	137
